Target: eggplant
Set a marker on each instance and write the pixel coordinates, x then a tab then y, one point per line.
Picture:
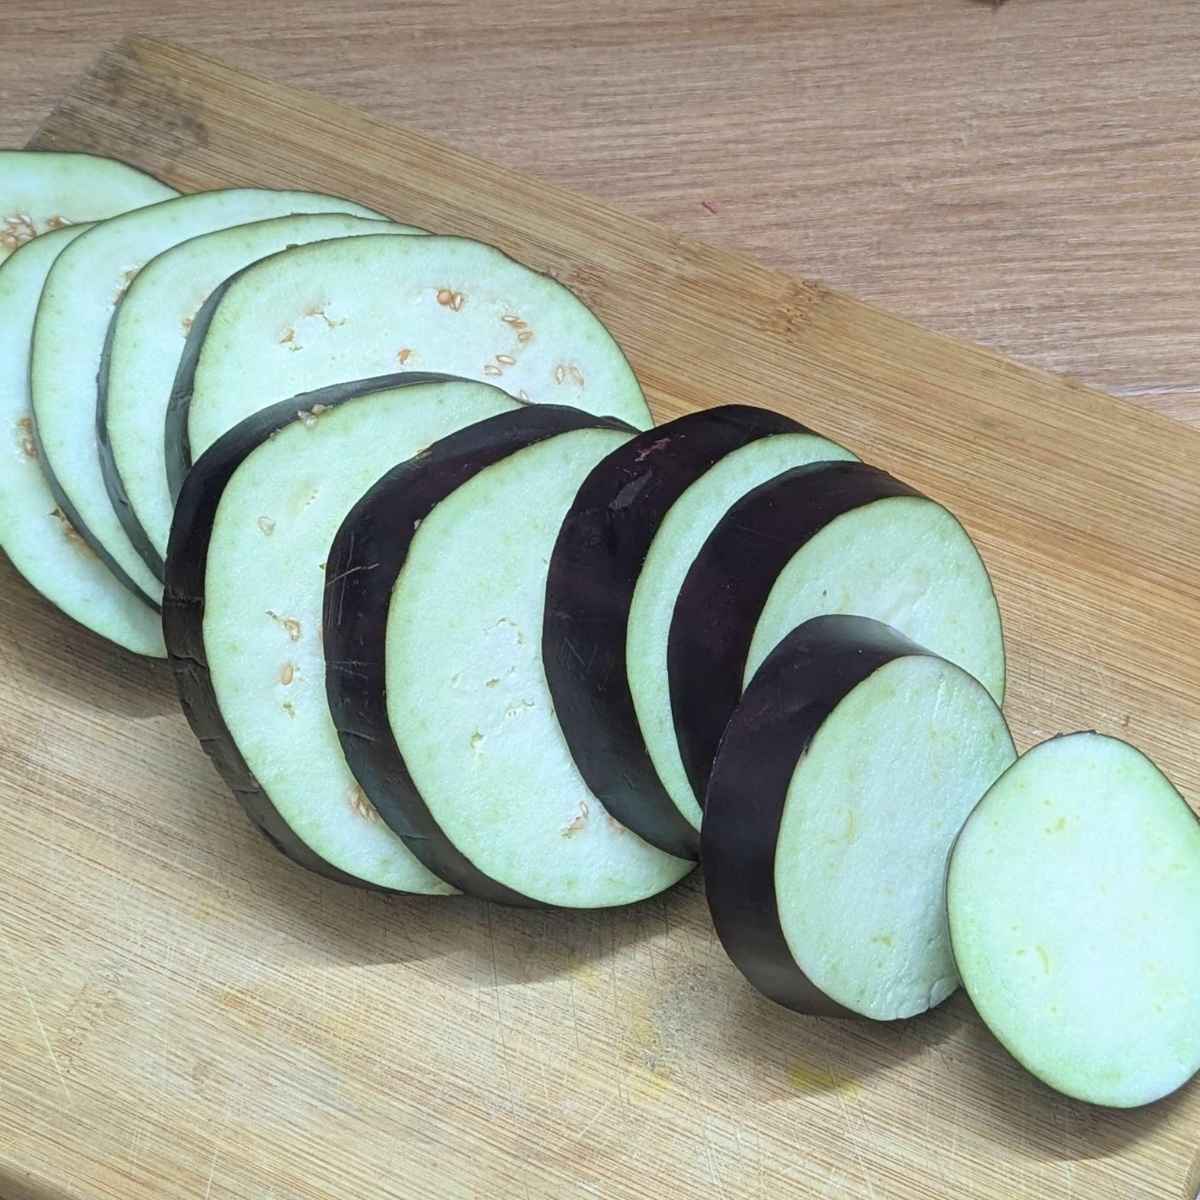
243	606
433	614
1074	907
38	538
43	190
844	775
817	539
145	339
622	552
81	293
303	318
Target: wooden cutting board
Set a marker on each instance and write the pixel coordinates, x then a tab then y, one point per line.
184	1014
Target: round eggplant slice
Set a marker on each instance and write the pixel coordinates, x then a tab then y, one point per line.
645	509
317	314
826	538
243	605
38	539
146	338
433	615
1074	899
82	291
41	190
845	774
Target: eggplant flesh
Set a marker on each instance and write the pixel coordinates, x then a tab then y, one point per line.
433	630
839	538
624	546
44	190
35	534
844	776
1074	902
243	609
313	315
82	291
146	337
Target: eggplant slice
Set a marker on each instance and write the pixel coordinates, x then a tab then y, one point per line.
146	338
634	528
41	190
38	539
1074	898
433	615
243	605
322	313
825	538
843	778
82	291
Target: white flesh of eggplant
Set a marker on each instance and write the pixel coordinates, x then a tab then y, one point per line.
81	293
467	695
331	311
683	531
42	190
904	561
871	813
150	328
263	596
1074	896
37	538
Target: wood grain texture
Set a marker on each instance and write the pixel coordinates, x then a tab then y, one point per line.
1025	177
183	1014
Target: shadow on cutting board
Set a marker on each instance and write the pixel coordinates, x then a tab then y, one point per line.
16	1184
1017	1110
69	666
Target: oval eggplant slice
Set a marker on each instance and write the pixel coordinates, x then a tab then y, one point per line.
614	531
313	315
243	604
38	539
41	190
82	290
433	615
836	538
1074	897
845	774
145	341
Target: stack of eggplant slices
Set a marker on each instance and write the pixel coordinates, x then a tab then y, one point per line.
451	615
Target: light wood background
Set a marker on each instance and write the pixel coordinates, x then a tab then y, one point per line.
1026	177
182	1014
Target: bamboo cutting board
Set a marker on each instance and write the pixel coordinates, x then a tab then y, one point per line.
184	1014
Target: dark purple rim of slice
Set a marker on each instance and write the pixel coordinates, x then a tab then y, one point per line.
798	686
366	558
593	573
727	586
183	602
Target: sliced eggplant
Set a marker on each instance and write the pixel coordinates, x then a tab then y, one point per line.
82	290
322	313
38	539
843	778
635	526
1074	899
825	538
146	338
42	190
243	605
433	615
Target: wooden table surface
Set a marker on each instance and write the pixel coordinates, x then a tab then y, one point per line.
1024	176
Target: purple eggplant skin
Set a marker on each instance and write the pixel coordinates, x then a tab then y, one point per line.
175	428
795	690
113	483
183	604
593	573
366	559
727	586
